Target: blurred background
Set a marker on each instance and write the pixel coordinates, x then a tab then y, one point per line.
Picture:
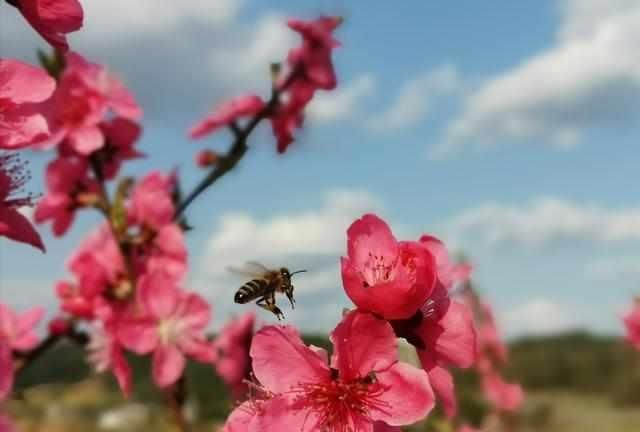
510	131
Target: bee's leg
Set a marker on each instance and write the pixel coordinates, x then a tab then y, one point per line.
268	302
289	294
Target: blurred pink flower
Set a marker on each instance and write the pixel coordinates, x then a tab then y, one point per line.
364	384
6	424
59	325
121	135
233	344
22	89
172	324
284	123
105	353
315	53
489	341
504	396
449	273
67	184
227	113
53	19
16	334
393	279
632	323
166	252
13	224
85	94
151	203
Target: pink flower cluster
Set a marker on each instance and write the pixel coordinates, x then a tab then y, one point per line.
492	357
310	68
400	289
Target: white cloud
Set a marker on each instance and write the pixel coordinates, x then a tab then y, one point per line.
123	18
415	98
537	316
543	221
311	239
247	56
589	76
342	103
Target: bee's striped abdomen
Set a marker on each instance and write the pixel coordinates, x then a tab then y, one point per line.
250	291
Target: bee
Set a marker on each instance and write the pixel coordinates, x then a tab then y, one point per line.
264	285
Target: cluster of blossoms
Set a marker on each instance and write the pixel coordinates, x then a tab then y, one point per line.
505	398
400	289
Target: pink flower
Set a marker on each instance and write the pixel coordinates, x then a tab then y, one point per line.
85	94
13	224
121	135
505	396
227	113
53	19
105	353
315	53
233	344
393	279
167	252
286	120
632	323
489	341
16	334
151	202
365	383
173	324
67	184
59	325
22	89
449	273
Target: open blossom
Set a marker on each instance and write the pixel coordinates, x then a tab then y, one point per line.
393	279
86	92
22	90
67	187
13	224
16	334
53	19
504	396
172	324
151	203
364	383
227	113
121	135
632	323
233	344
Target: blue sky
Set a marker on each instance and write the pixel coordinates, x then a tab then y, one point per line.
509	131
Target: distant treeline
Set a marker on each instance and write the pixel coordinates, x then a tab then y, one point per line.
576	361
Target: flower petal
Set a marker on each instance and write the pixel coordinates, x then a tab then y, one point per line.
363	344
400	381
168	365
281	360
15	226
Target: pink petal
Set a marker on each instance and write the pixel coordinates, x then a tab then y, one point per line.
168	365
370	235
122	371
22	83
86	140
140	336
240	418
281	360
398	408
158	294
277	414
452	338
6	370
442	383
25	338
15	226
363	344
53	18
226	113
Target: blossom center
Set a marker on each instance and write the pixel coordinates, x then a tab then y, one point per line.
377	270
169	331
340	406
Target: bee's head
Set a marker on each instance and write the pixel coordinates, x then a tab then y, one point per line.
285	272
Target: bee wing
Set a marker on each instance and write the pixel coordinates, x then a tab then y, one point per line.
251	269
